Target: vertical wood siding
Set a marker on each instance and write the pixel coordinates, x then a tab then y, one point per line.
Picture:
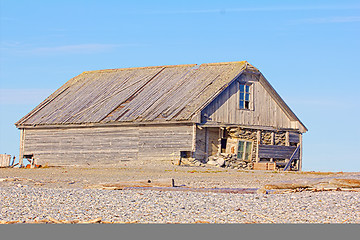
200	144
214	144
106	146
265	111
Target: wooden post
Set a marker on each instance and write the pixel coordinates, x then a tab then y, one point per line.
193	147
258	138
21	153
287	138
299	167
221	133
272	143
287	143
206	143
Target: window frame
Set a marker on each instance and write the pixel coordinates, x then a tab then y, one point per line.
246	142
250	94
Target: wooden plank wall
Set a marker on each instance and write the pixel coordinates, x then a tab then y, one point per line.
5	160
106	146
200	143
277	151
265	111
164	142
294	137
214	144
82	146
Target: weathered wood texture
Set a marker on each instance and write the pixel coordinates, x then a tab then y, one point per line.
163	182
266	111
277	151
214	143
164	142
294	137
172	93
5	160
106	145
200	144
264	166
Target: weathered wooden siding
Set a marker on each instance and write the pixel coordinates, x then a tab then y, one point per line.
294	137
106	146
264	110
5	160
164	142
276	151
214	144
200	143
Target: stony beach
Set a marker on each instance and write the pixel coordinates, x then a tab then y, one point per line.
65	193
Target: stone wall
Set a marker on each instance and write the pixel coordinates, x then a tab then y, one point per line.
279	137
245	134
251	135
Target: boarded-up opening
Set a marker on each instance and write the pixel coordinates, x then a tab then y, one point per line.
213	140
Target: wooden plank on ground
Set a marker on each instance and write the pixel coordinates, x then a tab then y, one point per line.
165	182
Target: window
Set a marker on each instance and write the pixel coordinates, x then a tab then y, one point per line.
244	150
244	100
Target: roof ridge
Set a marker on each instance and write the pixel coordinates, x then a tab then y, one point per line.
133	68
224	63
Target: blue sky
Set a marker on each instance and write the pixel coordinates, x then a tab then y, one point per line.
308	50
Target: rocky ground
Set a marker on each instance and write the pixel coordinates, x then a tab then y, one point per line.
61	193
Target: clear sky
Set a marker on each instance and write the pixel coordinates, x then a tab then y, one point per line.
308	50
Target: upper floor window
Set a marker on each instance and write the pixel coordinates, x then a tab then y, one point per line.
244	100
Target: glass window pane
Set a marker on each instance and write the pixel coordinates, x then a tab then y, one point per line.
242	96
242	88
247	88
248	150
247	97
240	149
241	104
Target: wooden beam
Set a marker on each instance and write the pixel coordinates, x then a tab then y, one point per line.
193	147
109	124
272	143
301	153
21	153
258	141
165	182
221	133
287	143
291	158
206	143
287	138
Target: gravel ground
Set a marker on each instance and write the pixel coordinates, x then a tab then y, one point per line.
61	193
148	206
77	177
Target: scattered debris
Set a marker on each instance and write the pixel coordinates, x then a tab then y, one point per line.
5	161
200	221
51	220
166	182
33	166
316	185
224	160
352	183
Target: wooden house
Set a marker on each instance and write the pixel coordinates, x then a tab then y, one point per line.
163	113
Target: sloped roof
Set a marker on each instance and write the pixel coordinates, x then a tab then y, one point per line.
161	93
146	94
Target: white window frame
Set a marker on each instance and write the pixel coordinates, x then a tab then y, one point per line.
250	94
246	142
